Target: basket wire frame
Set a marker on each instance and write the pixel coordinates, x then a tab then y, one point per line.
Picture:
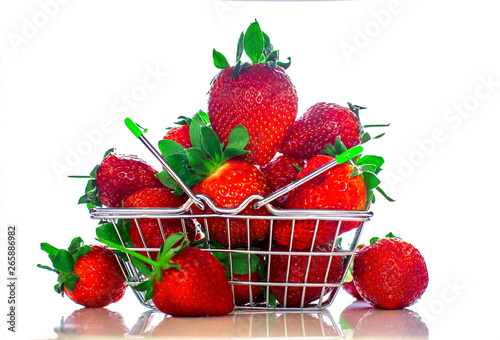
328	290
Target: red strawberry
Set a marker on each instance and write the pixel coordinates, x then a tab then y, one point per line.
279	172
227	182
179	134
352	290
347	186
186	281
89	275
259	96
236	264
390	273
318	267
321	125
115	178
228	187
349	283
149	228
242	291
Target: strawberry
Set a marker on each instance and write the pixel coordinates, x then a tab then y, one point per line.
390	273
318	266
93	322
88	275
321	125
243	277
347	186
115	178
180	134
150	234
209	170
348	281
186	281
279	172
258	95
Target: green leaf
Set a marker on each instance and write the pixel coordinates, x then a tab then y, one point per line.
211	143
285	65
368	168
268	48
374	239
47	268
199	162
166	179
379	189
238	137
233	152
76	243
254	42
220	60
195	131
391	235
70	281
371	180
64	261
369	159
108	232
237	68
81	251
240	48
51	250
170	147
142	267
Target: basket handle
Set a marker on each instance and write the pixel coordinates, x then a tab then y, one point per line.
132	126
342	158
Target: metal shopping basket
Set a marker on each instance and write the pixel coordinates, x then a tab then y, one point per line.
328	290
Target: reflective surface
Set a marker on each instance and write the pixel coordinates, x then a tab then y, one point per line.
358	320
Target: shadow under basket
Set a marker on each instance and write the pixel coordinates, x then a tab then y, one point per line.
263	297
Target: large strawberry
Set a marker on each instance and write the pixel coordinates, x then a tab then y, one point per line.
115	178
390	273
208	169
347	186
186	281
321	125
88	275
279	172
322	269
149	232
259	95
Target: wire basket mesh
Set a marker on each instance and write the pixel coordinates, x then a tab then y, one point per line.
261	293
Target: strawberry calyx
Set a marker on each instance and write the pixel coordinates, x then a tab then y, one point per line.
63	262
173	245
365	136
390	235
368	167
257	46
206	155
91	196
184	120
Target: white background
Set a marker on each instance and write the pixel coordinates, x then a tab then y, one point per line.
430	68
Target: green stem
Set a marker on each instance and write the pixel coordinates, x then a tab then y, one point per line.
130	252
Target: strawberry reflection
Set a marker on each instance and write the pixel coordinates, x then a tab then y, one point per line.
93	322
360	320
253	324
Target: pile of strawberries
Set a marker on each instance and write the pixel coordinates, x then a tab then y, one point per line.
250	142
